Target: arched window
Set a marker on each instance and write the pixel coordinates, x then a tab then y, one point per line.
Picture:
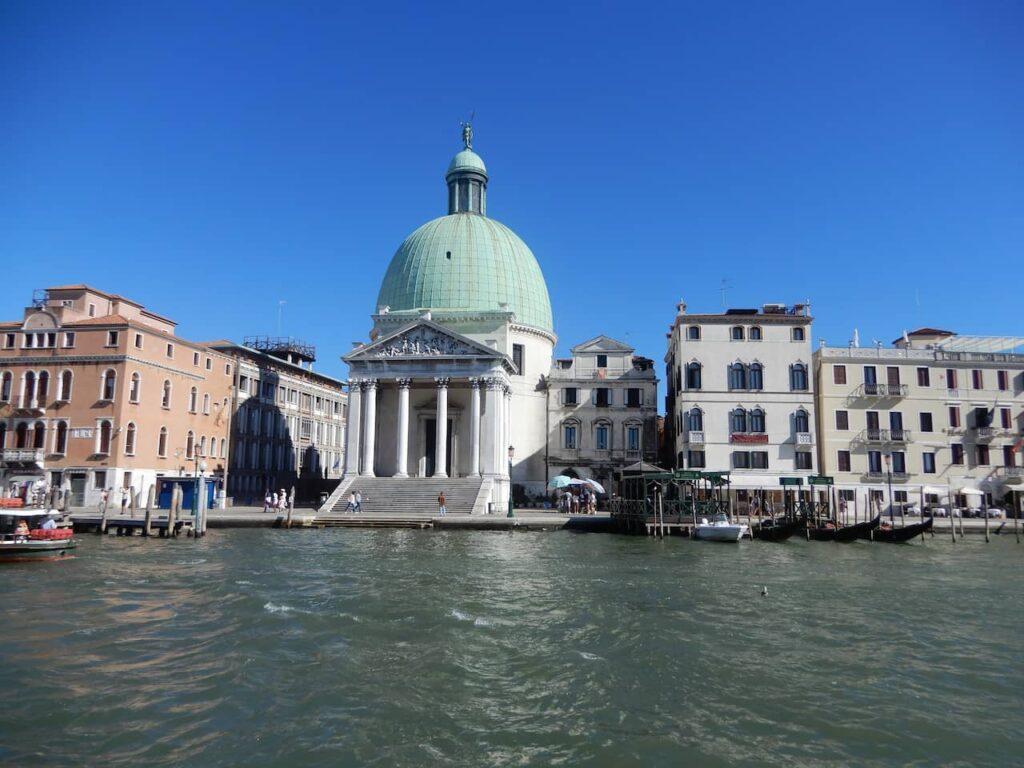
103	439
601	434
190	441
213	447
798	377
693	375
695	420
129	440
570	435
755	333
737	376
28	390
108	384
161	443
737	333
39	435
693	333
61	442
757	420
206	403
192	395
66	379
5	387
43	387
133	393
202	445
801	422
738	420
223	448
21	436
798	334
165	401
755	376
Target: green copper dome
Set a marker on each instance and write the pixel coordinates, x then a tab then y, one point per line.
466	261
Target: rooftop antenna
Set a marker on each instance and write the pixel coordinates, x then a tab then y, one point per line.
280	304
725	286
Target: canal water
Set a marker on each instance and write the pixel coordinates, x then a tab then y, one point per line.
410	648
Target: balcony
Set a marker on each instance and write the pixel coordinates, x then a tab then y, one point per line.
33	407
693	437
22	455
984	433
879	390
881	436
805	439
1011	474
873	476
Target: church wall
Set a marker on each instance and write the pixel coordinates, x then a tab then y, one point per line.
529	411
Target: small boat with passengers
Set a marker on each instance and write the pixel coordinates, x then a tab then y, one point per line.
720	529
33	534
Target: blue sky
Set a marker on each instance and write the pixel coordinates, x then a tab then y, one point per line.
214	159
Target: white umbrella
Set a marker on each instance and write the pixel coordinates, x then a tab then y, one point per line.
596	485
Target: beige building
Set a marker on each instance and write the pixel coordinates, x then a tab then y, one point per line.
289	420
602	411
936	414
97	392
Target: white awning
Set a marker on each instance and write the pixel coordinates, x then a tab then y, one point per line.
966	491
935	490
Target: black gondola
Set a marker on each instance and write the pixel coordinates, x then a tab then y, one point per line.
777	528
900	535
844	533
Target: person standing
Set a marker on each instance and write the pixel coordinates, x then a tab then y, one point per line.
266	501
351	502
441	508
273	500
359	502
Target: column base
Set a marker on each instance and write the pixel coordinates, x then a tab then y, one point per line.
367	474
440	474
400	474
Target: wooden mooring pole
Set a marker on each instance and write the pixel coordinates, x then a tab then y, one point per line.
147	527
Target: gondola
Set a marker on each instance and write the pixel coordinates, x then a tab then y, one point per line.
777	528
899	535
844	533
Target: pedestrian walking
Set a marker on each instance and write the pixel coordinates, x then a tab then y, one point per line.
359	502
266	501
441	508
282	499
351	502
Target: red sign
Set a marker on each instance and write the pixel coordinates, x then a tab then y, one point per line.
745	437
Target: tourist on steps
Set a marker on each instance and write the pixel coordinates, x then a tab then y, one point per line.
351	502
441	508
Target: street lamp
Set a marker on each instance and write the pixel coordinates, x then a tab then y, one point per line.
511	453
200	467
888	476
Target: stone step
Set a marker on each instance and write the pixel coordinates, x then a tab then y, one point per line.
408	496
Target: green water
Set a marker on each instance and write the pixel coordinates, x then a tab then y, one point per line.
403	648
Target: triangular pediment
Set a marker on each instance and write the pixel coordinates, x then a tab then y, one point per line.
601	344
423	339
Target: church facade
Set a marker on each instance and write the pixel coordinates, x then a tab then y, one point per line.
450	386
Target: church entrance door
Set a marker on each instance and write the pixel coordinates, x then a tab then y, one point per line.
430	433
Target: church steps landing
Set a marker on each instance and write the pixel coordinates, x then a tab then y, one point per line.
405	496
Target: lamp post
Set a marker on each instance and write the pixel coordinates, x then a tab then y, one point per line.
511	453
888	477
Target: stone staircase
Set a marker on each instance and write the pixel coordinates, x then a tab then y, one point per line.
409	498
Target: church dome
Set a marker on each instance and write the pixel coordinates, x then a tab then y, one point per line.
466	261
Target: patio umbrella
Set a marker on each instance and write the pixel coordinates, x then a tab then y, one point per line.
596	485
559	481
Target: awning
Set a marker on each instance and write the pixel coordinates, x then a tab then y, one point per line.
935	490
967	491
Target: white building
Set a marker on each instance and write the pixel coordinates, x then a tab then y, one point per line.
450	387
740	393
937	415
602	411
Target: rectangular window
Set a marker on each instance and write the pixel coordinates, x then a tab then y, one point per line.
170	350
633	397
838	374
926	422
209	364
571	395
696	459
741	460
633	438
92	310
843	461
601	438
138	341
923	377
51	340
981	452
570	437
977	381
305	429
803	459
870	374
227	369
892	376
602	397
899	462
9	341
112	339
519	358
602	361
69	339
874	461
693	376
842	420
951	378
956	454
759	459
99	478
954	416
243	384
928	463
1009	456
1002	380
195	358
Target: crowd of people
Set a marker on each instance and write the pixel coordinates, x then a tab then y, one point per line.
274	500
582	502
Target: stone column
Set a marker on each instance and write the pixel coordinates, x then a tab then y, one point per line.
352	428
474	428
369	426
402	443
507	430
491	439
441	449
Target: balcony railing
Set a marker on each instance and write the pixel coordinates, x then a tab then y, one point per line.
880	390
984	433
874	476
1011	474
884	436
804	438
694	437
22	455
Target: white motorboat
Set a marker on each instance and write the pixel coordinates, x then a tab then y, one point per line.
720	530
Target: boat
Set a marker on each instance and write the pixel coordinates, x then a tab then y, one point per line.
899	535
35	543
777	528
720	530
829	531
